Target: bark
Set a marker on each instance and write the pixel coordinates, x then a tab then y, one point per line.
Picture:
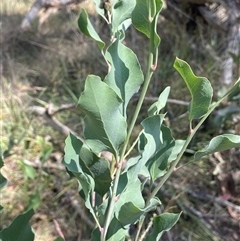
211	19
233	48
221	15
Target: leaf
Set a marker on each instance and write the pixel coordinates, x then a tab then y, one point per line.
121	11
59	239
34	199
71	161
115	232
102	210
1	158
129	191
97	168
29	170
219	143
100	9
87	185
105	127
222	114
158	163
235	57
79	159
19	229
160	103
122	29
86	27
130	213
131	206
159	147
3	180
234	90
72	150
161	223
150	141
125	75
144	18
199	87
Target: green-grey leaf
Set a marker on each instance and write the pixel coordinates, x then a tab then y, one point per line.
131	192
199	87
144	18
122	29
115	232
219	143
87	185
59	239
81	161
99	9
162	223
19	229
72	150
159	148
1	158
160	103
130	213
87	29
105	126
121	10
150	141
131	205
125	75
3	180
97	168
159	162
29	170
225	113
71	160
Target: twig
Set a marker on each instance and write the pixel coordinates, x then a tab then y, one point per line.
38	164
58	228
50	109
48	114
63	107
80	212
172	101
147	230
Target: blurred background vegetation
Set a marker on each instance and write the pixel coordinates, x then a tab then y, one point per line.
43	72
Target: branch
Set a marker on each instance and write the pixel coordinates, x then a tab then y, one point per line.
44	4
48	114
233	47
38	164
